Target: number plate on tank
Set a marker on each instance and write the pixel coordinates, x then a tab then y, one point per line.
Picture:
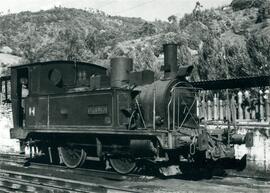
97	110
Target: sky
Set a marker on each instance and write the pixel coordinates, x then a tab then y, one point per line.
146	9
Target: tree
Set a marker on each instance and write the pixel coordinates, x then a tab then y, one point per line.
264	12
197	10
172	19
31	46
147	29
173	26
90	42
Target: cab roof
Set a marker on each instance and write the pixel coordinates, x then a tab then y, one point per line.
57	61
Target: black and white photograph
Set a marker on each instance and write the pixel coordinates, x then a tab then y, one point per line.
135	96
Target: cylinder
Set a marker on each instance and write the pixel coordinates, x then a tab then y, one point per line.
120	69
170	60
140	147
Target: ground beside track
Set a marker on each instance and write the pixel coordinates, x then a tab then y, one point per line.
227	184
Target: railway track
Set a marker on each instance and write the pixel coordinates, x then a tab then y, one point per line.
25	182
89	171
20	175
40	177
20	159
15	158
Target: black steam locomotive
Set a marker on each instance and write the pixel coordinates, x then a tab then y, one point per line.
72	111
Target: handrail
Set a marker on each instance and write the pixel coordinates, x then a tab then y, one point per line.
140	113
154	108
186	115
172	101
168	110
173	121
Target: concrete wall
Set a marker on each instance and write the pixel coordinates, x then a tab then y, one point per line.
258	155
7	144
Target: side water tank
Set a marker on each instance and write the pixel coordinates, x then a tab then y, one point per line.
120	70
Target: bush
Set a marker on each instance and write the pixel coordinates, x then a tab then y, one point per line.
264	12
259	50
244	4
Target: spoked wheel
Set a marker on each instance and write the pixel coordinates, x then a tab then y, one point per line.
123	165
72	157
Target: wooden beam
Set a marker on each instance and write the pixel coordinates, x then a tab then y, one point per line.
244	82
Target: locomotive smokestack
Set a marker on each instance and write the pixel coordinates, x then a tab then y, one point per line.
120	70
170	60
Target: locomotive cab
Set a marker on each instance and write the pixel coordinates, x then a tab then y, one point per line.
43	95
19	93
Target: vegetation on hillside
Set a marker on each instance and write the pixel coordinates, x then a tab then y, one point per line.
226	42
62	33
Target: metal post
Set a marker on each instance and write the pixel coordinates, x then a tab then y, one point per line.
170	140
215	107
261	106
173	109
267	104
197	106
204	108
228	115
6	91
50	154
178	111
247	97
154	108
240	101
1	97
221	116
233	111
209	110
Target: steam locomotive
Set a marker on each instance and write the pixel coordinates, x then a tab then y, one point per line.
73	111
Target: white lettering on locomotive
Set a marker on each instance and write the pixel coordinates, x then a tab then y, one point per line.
32	111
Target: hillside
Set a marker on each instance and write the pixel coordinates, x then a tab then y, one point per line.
63	33
229	41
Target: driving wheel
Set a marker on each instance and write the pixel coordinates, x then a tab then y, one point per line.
72	157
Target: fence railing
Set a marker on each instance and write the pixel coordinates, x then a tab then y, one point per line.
239	107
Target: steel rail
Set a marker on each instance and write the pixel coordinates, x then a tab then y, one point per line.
113	175
50	182
34	164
